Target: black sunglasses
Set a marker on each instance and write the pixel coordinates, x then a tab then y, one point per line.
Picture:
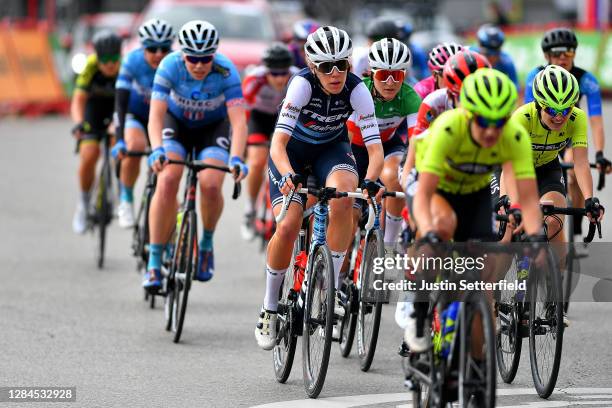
194	59
328	66
153	49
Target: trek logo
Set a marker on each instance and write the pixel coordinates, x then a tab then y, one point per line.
326	119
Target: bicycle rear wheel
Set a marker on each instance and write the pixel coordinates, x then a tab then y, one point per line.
545	325
318	321
509	341
477	370
370	303
184	266
349	321
286	334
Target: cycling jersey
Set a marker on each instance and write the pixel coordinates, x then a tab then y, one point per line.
389	114
425	86
504	64
419	69
312	116
136	76
197	103
586	81
545	143
298	60
97	85
433	105
450	152
261	96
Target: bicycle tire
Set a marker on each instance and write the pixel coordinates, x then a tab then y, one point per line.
349	320
185	265
366	345
286	338
104	210
508	320
476	392
320	277
552	302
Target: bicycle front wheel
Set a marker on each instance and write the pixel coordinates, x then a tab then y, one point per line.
545	325
318	321
104	210
370	302
477	370
184	266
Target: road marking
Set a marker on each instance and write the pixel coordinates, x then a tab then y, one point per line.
350	401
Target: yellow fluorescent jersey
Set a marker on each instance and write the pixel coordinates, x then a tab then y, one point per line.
96	84
449	152
546	144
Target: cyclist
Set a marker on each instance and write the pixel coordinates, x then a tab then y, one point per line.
559	47
311	131
379	28
437	58
91	111
455	162
196	97
395	102
264	89
133	94
419	68
553	122
458	67
490	41
301	30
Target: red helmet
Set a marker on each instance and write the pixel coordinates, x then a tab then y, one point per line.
461	65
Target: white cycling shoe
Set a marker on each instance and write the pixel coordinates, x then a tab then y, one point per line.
416	344
79	221
265	332
125	214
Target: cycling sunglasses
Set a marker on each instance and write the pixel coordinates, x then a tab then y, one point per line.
194	59
109	58
557	54
554	112
487	123
328	66
154	49
278	73
383	75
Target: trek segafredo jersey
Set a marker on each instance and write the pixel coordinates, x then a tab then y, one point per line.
197	103
312	116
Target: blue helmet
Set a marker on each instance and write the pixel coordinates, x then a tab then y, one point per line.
405	31
490	37
302	28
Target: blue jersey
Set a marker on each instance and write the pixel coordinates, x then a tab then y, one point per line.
310	115
504	64
197	103
586	81
420	69
136	75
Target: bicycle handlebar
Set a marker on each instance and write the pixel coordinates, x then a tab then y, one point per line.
137	153
199	165
601	181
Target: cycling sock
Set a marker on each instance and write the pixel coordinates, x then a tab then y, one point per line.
249	206
274	280
206	243
393	225
126	193
85	197
155	254
337	260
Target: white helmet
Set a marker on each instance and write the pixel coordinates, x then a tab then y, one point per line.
199	37
389	53
328	44
155	31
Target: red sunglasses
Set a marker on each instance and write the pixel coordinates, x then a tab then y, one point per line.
397	75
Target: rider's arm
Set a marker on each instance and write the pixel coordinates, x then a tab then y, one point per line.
590	87
77	106
122	96
408	165
530	205
162	84
363	105
237	119
582	171
422	201
278	152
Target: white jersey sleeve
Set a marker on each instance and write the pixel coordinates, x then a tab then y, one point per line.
365	118
298	95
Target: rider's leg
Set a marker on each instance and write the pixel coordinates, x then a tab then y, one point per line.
393	206
89	151
135	140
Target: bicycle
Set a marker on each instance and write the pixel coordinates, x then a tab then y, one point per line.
541	308
306	307
363	304
263	221
449	371
100	215
183	267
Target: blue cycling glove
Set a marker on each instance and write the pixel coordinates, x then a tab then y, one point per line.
157	154
119	147
237	161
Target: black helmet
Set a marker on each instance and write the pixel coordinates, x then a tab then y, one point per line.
559	37
277	55
107	43
383	27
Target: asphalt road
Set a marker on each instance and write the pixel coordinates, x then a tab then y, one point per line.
65	323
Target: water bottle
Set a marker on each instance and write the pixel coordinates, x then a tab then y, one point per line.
449	321
522	274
